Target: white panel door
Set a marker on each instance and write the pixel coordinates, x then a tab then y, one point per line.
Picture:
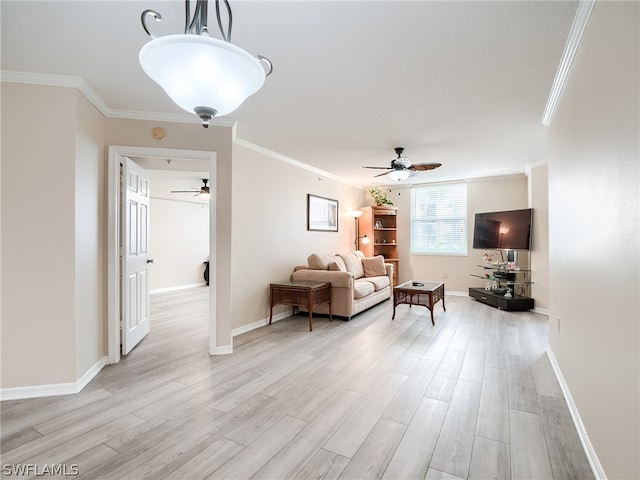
135	256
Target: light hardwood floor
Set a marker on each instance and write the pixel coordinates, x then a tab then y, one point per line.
472	397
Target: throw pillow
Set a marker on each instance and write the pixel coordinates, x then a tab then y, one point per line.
336	267
338	259
353	263
320	261
374	266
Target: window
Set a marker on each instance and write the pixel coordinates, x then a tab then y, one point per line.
439	219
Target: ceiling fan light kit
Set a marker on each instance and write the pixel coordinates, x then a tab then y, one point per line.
399	175
201	74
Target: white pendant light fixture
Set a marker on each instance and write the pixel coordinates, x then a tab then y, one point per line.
201	74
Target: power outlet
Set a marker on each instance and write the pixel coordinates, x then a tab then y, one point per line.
444	276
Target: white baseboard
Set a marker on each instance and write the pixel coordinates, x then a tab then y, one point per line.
455	293
175	289
541	311
259	323
596	466
223	350
37	391
84	380
228	349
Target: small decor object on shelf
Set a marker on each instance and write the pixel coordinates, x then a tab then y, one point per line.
379	196
487	258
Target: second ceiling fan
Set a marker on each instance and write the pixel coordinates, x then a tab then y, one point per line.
202	191
402	167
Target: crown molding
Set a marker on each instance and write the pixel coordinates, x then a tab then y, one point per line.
81	85
290	161
578	27
57	81
84	88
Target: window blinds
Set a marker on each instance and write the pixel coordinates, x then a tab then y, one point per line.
439	219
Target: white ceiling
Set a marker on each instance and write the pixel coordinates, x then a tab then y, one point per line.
460	83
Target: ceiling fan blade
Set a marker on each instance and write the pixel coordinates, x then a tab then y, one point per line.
380	168
422	167
185	191
381	174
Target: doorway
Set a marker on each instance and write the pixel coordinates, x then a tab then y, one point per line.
115	159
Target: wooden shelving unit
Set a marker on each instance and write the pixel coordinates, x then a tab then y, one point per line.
380	225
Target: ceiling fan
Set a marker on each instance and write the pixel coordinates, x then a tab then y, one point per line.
401	167
202	191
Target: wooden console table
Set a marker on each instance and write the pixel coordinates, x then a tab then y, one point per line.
426	294
300	294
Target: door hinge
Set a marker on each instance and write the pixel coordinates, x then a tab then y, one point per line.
121	252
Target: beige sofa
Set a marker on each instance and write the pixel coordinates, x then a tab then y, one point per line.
357	283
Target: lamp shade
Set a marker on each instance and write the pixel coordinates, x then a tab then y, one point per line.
198	72
399	174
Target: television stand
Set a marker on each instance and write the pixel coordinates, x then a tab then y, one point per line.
515	303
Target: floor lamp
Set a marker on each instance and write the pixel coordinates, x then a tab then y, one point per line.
356	214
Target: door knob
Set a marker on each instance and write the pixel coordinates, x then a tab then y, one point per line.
149	260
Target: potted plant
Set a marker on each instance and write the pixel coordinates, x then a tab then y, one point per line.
379	196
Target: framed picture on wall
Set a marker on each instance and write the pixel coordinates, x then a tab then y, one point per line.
322	214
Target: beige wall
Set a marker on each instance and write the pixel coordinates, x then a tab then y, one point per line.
270	234
38	228
593	236
490	194
539	201
90	232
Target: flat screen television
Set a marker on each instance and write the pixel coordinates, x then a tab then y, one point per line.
509	230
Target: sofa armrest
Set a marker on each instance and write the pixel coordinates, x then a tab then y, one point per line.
389	267
337	279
